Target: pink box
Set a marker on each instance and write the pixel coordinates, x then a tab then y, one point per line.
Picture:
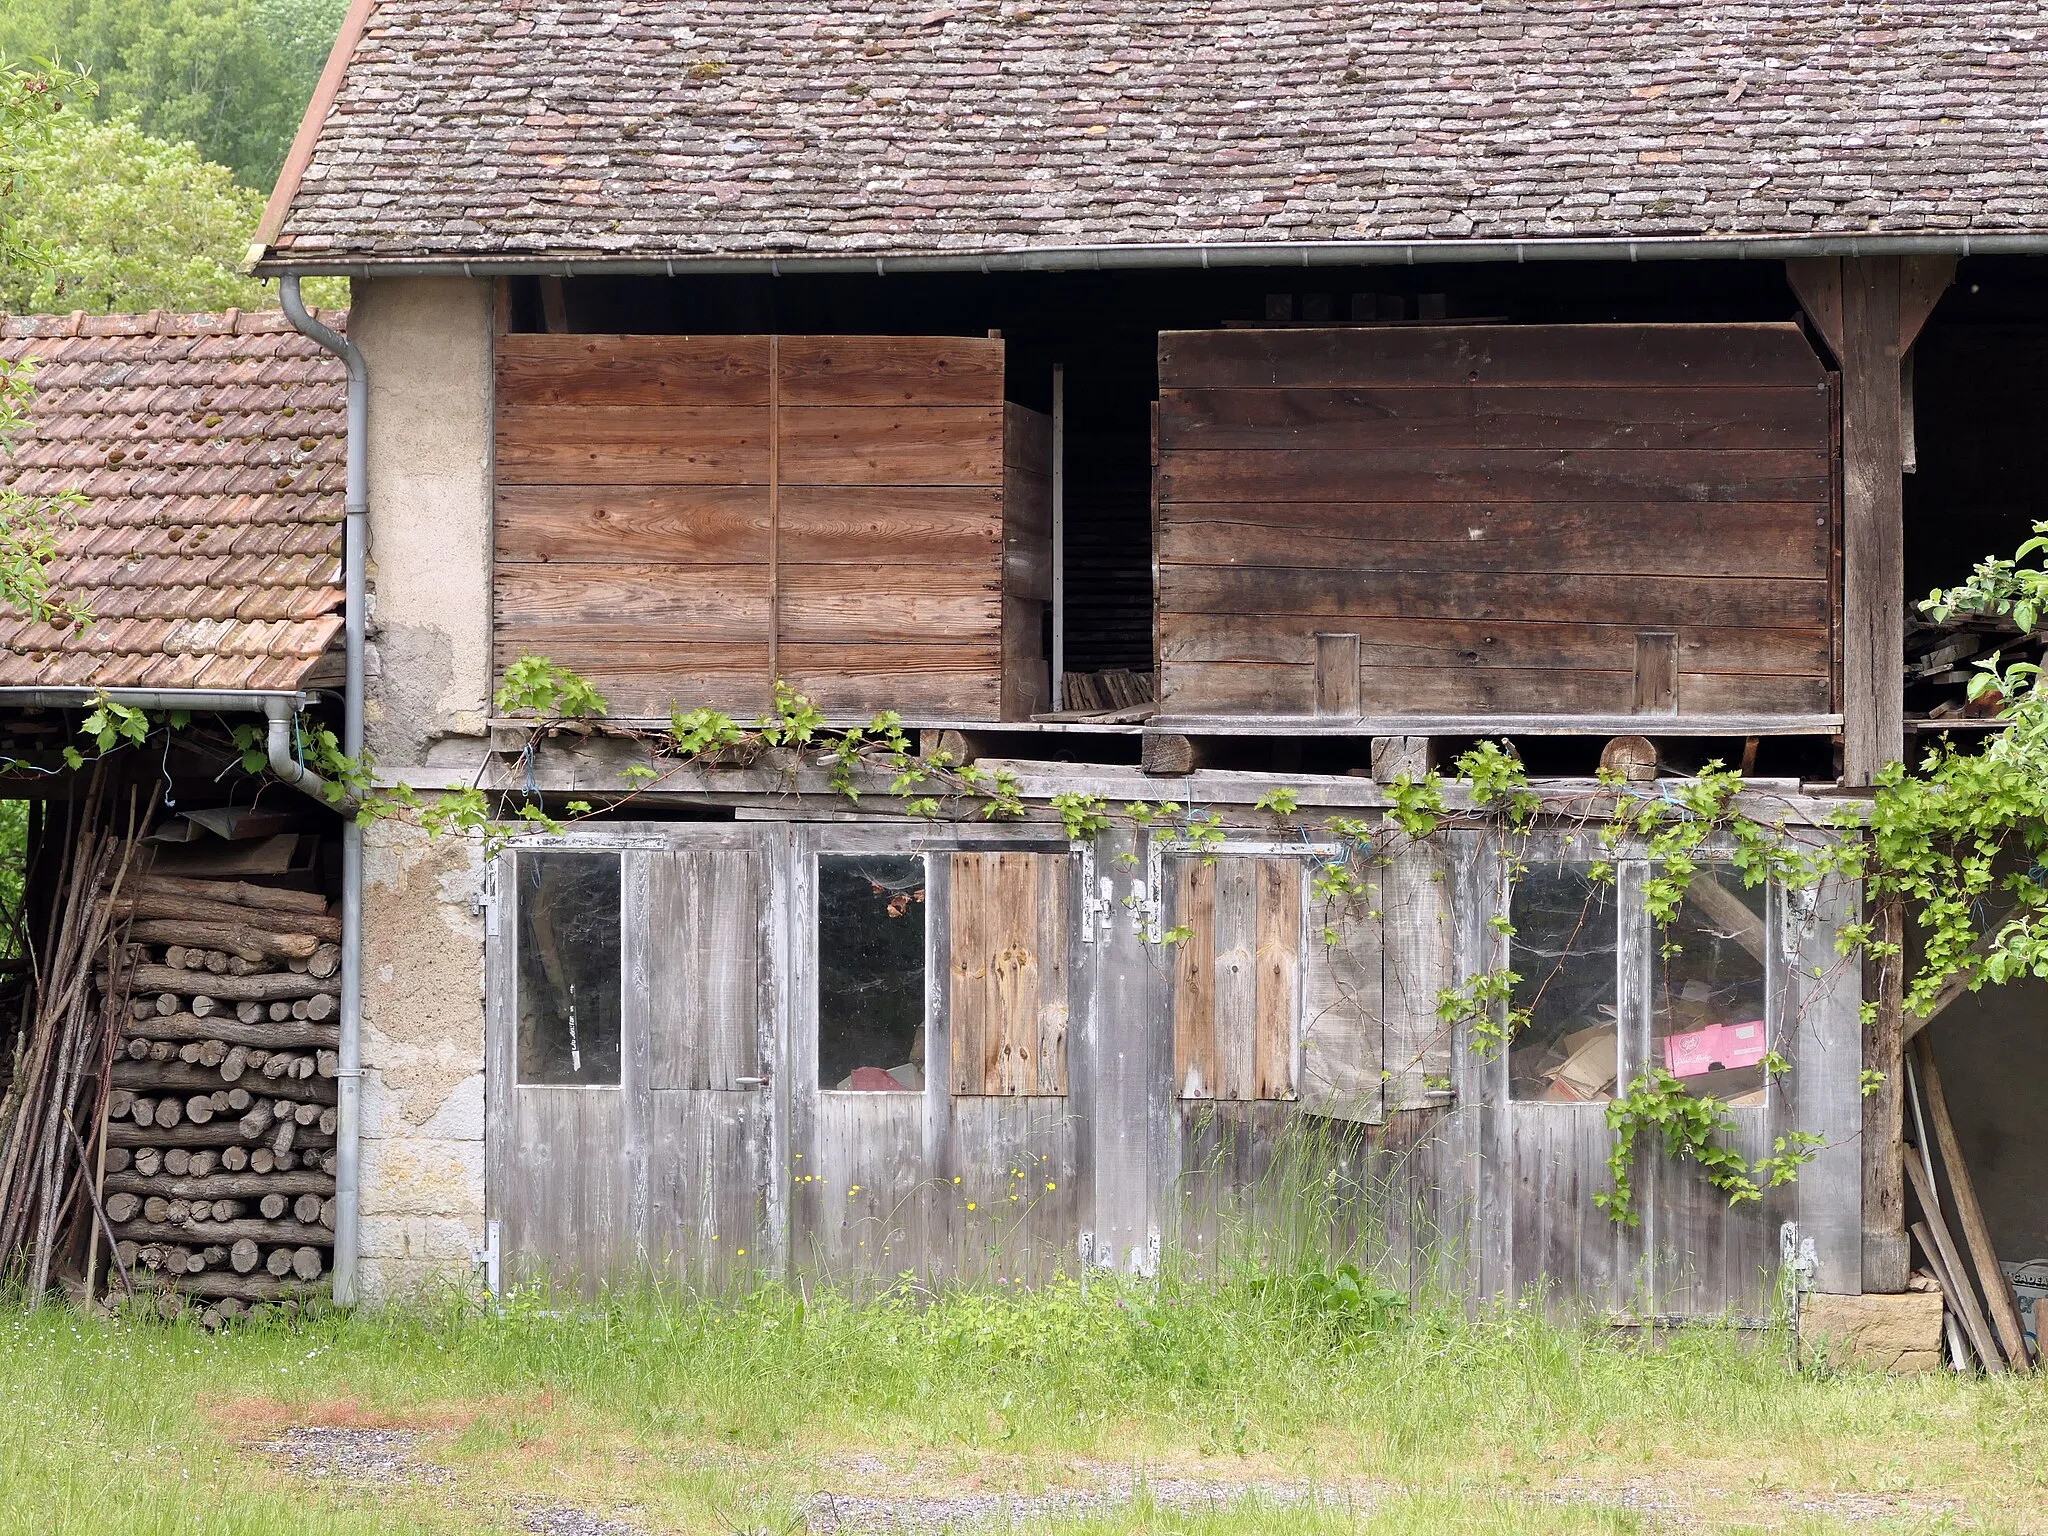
1727	1046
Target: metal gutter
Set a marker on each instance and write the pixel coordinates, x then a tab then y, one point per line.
355	562
1122	257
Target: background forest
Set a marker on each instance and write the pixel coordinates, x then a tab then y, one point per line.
142	188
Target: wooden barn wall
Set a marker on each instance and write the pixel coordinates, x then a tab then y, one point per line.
1593	519
1056	1119
682	518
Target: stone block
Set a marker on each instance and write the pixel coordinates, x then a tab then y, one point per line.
1900	1334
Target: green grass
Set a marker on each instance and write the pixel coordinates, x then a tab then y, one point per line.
724	1417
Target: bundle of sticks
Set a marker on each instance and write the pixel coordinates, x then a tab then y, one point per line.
221	1117
57	1091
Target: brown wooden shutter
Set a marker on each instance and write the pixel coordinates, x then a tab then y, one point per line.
1008	929
1236	976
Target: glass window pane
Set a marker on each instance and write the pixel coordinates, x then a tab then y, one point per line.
871	972
569	974
1707	1024
1564	954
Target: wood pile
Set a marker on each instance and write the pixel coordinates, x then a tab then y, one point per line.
1096	692
221	1116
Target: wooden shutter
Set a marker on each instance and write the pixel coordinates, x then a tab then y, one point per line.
1008	929
684	518
1496	517
1236	976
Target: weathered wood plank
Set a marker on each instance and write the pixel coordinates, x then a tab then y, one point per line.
1415	894
1412	642
1479	355
632	445
1054	910
644	371
1277	924
728	525
1193	907
1389	692
1014	968
891	370
972	1015
1342	1008
899	445
1484	473
1671	538
1236	985
1544	416
702	910
1524	596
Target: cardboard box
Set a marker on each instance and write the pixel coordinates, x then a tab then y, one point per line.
1589	1071
1718	1047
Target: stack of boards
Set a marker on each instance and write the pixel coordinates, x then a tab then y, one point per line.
220	1135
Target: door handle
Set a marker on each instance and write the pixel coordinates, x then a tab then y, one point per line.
750	1082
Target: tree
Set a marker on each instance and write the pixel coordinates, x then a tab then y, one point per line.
229	76
128	222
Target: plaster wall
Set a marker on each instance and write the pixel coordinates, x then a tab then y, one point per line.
428	345
427	342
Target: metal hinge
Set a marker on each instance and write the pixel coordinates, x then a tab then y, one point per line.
1799	916
486	1258
1097	905
484	903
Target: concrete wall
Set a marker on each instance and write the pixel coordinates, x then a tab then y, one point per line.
428	346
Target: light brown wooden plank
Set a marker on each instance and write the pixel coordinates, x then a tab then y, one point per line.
1542	416
1278	926
889	603
1792	539
1494	475
1053	910
891	370
1411	642
620	599
957	681
1019	987
632	445
900	445
558	371
1237	978
1742	602
1259	688
973	1021
1617	356
1194	979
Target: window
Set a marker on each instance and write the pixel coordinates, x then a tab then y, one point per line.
871	972
569	974
1708	1017
1564	955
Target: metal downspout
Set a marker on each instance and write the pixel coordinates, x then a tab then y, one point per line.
355	553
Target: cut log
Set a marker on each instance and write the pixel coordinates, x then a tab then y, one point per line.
287	1161
239	1100
262	1160
306	1262
177	1162
302	967
256	1035
243	940
287	1134
279	1262
212	1052
122	1206
221	1133
189	1053
168	1113
329	1119
280	1013
205	1007
274	1205
306	1114
218	1186
327	1213
244	1255
199	1108
216	961
119	1159
250	1288
147	1160
120	1104
290	1233
138	1048
234	1063
326	960
265	988
323	1005
174	957
150	1077
199	1164
234	1159
249	1012
151	905
163	1050
166	1003
307	1209
327	1063
237	892
156	1210
299	1009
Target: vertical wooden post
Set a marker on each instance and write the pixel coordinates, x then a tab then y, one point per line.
1870	310
774	515
1059	536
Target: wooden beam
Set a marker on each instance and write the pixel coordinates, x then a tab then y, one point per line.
1998	1294
1887	1261
1869	310
554	306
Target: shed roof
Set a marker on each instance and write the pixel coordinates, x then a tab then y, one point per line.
671	129
211	450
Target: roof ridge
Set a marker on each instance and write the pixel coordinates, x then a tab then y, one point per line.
162	322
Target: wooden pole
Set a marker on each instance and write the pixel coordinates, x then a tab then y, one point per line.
1957	1296
1998	1294
1059	536
1961	1299
1886	1261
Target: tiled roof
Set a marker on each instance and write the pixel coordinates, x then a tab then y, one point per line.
211	450
667	128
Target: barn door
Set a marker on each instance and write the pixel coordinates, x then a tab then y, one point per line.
634	1025
935	1010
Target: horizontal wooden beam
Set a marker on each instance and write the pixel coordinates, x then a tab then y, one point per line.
1500	725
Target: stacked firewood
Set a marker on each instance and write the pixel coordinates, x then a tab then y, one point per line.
221	1117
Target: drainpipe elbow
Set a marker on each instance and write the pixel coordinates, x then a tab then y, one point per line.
280	715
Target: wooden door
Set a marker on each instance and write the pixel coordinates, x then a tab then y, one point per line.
634	1006
935	1012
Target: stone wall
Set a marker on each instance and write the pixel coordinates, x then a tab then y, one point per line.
428	346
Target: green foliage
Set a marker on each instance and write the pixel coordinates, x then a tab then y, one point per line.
1084	816
31	523
1340	1299
1485	1004
1496	778
126	222
1692	1128
534	685
230	76
1417	806
1279	802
